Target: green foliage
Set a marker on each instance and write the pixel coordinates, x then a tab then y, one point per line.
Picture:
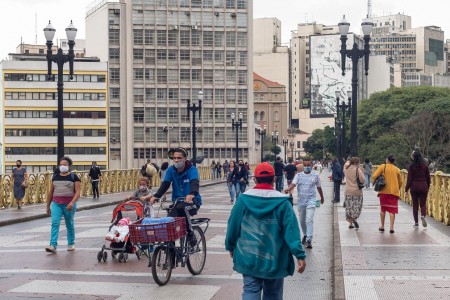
269	157
321	141
395	121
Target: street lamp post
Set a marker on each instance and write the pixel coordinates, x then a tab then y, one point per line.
355	54
285	143
262	136
345	109
275	141
193	108
60	59
337	127
237	125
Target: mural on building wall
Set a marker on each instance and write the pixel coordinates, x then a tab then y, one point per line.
326	73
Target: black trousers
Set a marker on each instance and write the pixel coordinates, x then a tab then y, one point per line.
95	188
337	190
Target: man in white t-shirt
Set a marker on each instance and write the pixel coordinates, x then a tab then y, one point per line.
306	182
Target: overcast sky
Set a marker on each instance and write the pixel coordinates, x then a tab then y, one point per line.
18	16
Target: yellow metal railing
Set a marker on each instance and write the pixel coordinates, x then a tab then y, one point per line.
112	181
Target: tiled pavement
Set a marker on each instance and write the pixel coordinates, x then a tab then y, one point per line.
409	264
412	263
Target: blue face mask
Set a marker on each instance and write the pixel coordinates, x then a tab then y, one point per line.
307	169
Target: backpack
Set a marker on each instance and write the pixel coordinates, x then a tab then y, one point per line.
150	170
72	176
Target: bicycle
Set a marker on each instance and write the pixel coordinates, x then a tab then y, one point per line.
167	255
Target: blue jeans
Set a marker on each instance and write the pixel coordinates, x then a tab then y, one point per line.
232	190
306	219
272	289
367	180
240	188
279	183
57	212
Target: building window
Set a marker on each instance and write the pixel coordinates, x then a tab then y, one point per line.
138	54
138	134
138	114
162	37
218	38
114	74
137	37
138	74
208	39
114	37
138	95
242	39
231	39
114	54
149	37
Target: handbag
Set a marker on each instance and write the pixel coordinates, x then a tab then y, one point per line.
360	184
380	182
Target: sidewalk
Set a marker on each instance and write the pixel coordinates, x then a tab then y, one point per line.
412	263
37	211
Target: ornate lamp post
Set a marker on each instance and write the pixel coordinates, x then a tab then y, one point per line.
355	54
345	109
262	136
237	125
274	141
285	143
337	127
194	108
60	59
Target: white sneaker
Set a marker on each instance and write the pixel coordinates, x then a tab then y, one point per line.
71	248
51	249
424	222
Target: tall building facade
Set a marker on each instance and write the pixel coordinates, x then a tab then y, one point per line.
28	118
271	59
161	54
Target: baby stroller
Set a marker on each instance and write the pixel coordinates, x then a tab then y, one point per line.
118	233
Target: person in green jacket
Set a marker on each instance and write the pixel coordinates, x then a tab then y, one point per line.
263	236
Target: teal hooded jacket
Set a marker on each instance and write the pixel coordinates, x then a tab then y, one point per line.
263	235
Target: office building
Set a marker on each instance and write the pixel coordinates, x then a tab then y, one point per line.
28	118
160	55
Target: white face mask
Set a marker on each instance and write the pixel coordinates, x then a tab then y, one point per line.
63	169
142	187
179	164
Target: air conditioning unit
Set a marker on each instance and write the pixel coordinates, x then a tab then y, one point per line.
195	27
216	14
175	27
233	15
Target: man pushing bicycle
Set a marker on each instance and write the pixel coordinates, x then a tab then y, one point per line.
184	178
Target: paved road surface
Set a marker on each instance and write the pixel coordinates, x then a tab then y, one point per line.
28	272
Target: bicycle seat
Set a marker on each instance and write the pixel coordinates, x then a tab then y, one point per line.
200	221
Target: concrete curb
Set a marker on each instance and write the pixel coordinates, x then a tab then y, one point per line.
338	270
81	208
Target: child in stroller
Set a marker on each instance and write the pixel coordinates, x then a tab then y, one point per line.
118	233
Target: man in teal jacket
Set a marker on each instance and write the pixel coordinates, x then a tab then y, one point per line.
262	237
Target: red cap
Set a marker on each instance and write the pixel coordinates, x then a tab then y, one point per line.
264	170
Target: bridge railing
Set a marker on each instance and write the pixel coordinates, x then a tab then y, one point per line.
112	181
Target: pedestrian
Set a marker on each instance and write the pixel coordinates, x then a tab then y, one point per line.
226	168
279	167
19	182
213	170
241	178
95	174
306	182
390	193
218	170
231	180
162	171
290	170
367	171
62	202
262	236
418	183
247	166
336	175
353	195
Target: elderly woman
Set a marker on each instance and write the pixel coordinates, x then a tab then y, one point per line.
353	194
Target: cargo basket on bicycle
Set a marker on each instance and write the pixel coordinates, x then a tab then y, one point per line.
157	232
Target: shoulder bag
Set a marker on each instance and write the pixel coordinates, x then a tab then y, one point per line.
360	184
380	182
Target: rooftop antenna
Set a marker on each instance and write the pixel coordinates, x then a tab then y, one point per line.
369	9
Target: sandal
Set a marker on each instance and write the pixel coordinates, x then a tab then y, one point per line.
351	227
381	229
391	231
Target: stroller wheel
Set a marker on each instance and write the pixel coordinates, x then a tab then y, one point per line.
120	257
113	254
105	256
99	256
125	257
139	254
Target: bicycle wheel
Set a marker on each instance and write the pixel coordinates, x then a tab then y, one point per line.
197	256
161	265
